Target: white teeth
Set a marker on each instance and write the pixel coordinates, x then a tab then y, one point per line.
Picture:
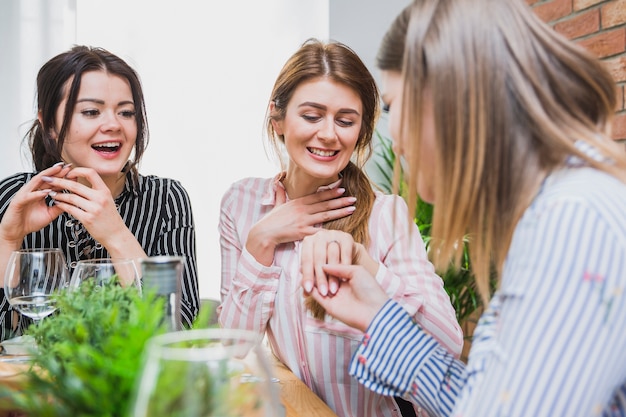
321	152
108	145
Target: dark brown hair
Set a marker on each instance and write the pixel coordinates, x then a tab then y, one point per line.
62	75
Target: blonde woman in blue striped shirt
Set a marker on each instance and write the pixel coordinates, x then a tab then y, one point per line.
505	127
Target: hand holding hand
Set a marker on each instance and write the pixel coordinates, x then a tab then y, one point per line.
358	299
293	220
322	248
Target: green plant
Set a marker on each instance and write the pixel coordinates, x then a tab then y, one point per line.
89	354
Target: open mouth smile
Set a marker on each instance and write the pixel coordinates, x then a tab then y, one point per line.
107	147
322	152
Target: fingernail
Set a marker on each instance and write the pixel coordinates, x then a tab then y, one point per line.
46	178
341	190
323	290
333	287
352	199
52	193
67	165
351	208
308	286
58	163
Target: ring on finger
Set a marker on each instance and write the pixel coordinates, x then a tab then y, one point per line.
333	241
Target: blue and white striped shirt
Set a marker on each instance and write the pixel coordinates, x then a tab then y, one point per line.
553	339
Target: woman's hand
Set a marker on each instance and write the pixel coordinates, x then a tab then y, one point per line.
28	210
330	247
293	220
358	299
94	207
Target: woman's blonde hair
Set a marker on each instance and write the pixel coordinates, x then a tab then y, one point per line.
511	98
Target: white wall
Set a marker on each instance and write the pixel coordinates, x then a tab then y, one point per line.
207	69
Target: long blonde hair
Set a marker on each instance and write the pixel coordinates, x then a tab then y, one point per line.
511	99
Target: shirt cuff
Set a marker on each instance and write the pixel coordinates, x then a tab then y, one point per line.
392	351
257	276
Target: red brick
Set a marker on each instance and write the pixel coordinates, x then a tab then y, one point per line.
605	44
579	25
619	126
613	13
583	4
553	10
617	68
620	97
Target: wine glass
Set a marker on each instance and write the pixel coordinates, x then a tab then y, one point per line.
104	270
32	278
206	373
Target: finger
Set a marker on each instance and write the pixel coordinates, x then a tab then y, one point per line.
319	260
306	265
89	174
326	216
343	272
333	256
323	196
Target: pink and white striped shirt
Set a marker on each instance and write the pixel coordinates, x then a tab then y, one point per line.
270	299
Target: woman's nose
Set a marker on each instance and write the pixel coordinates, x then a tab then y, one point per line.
327	130
110	121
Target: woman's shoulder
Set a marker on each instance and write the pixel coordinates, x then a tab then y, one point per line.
247	189
15	180
386	203
151	182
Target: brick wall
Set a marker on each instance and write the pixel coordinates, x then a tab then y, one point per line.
600	26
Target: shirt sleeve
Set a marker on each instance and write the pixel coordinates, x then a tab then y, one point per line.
409	277
179	239
248	288
398	358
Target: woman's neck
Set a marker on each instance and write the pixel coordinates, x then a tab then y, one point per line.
300	185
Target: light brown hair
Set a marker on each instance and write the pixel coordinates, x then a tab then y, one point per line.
337	62
511	98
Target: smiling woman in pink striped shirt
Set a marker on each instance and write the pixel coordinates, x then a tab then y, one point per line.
323	110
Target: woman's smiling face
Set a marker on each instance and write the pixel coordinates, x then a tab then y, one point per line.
103	129
321	128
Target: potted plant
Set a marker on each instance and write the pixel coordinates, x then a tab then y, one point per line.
89	354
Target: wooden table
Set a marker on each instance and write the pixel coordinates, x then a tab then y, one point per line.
298	399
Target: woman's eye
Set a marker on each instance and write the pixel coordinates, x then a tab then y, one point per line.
344	122
385	108
310	118
90	113
128	114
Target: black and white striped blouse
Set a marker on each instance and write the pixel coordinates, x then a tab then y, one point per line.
156	210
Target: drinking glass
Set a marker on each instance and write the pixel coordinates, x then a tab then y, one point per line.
206	373
105	270
32	278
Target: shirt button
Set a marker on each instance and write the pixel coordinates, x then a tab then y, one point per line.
71	244
69	223
73	264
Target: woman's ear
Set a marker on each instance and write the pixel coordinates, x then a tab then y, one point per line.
276	124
